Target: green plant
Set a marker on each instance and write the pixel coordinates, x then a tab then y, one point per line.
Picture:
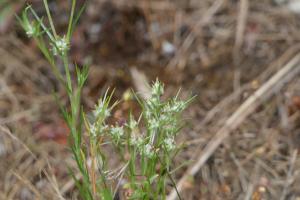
146	146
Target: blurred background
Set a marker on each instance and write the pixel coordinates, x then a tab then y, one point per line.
220	50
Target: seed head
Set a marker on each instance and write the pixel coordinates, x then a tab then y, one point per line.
148	151
93	130
117	132
157	89
61	45
101	110
30	30
169	144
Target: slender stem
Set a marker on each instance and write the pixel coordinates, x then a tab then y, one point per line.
50	18
67	71
45	52
93	169
132	170
52	39
71	20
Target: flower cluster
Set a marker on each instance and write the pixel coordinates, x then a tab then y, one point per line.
116	132
101	109
162	118
147	146
148	151
162	124
101	112
32	28
157	89
60	46
36	28
169	143
135	139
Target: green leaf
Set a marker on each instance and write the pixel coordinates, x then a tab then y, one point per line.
82	75
75	21
45	29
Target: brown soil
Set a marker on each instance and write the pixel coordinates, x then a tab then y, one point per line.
222	54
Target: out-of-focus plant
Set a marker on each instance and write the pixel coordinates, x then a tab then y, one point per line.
147	145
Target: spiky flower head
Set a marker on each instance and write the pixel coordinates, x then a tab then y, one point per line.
101	109
169	144
32	28
157	89
60	46
117	132
148	151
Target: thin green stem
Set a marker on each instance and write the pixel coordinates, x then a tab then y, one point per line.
50	59
71	20
172	180
52	39
50	18
67	71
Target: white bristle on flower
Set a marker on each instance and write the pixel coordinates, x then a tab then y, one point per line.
148	151
169	143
